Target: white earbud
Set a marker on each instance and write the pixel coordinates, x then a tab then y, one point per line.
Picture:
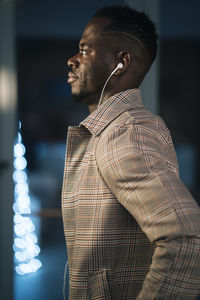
119	66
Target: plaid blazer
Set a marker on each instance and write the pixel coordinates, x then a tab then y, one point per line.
132	228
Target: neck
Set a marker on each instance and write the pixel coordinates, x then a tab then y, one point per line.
117	87
93	106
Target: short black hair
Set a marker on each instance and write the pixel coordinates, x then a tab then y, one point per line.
136	23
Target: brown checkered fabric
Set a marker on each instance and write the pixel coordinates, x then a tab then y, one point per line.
132	228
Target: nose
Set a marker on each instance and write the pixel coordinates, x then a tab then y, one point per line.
73	62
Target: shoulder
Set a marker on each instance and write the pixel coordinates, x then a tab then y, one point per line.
139	125
138	135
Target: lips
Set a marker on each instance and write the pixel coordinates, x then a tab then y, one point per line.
72	77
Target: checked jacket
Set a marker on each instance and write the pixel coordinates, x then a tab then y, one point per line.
132	228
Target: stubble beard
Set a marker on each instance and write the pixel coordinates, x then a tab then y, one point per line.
91	94
81	96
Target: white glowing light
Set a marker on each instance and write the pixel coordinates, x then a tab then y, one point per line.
21	188
21	207
32	251
35	264
20	243
20	256
19	230
26	268
24	198
22	204
19	150
19	176
18	270
17	218
31	237
24	246
20	163
19	137
30	267
28	226
16	208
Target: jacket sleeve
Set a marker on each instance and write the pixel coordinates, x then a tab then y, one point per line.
139	166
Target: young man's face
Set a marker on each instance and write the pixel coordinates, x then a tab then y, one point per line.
91	66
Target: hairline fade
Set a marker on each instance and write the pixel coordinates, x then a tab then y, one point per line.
135	23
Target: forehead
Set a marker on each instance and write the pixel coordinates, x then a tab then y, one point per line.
94	29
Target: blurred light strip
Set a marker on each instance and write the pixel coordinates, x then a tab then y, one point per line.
25	241
8	90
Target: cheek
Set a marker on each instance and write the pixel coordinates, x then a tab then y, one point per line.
87	73
93	73
101	74
85	70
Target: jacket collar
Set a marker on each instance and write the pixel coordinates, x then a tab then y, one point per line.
99	119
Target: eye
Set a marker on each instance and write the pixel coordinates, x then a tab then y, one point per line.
83	51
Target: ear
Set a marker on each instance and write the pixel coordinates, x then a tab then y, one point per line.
123	57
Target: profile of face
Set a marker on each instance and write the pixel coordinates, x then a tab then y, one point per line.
90	67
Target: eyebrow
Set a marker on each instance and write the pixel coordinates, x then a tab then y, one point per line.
85	45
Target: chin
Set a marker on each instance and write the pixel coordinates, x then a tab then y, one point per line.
80	96
77	97
87	98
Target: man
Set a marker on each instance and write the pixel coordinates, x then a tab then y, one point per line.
132	228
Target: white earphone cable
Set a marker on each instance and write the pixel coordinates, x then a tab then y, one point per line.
119	66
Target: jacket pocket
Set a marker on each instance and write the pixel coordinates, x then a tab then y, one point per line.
98	288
